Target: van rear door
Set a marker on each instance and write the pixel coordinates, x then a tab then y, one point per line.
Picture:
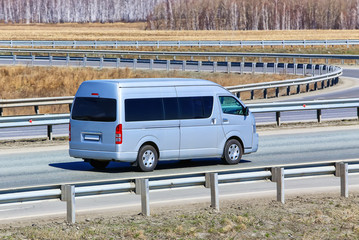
93	123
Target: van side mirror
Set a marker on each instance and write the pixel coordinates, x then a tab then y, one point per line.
246	111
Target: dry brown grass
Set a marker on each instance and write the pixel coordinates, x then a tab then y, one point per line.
136	32
302	217
30	82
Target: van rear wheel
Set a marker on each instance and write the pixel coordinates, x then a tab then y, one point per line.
147	158
232	152
99	164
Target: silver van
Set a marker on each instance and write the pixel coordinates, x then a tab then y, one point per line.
143	121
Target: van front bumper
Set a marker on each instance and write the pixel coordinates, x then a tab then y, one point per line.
254	147
105	156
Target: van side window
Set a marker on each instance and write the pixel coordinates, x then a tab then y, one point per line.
171	108
145	109
195	107
230	105
155	109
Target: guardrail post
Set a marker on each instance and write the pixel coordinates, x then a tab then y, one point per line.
215	67
36	108
68	195
32	60
265	93
253	68
145	197
168	63
265	65
304	69
74	44
199	65
315	86
13	59
298	89
84	61
307	87
151	64
134	64
277	118
118	61
285	67
319	115
229	67
67	59
358	113
252	94
275	68
277	92
341	170
328	82
295	68
1	112
288	90
278	177
239	97
323	84
101	62
49	132
50	59
313	69
184	63
212	183
242	67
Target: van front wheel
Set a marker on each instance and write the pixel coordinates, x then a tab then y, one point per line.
147	158
232	152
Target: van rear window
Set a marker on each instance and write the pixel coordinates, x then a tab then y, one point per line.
94	109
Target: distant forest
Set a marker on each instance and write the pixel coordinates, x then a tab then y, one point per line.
190	14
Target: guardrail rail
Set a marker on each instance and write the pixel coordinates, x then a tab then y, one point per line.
222	43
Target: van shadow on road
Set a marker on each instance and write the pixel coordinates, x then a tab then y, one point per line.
120	167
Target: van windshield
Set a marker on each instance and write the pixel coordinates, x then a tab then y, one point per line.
94	109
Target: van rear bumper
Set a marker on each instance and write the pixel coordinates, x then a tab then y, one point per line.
106	156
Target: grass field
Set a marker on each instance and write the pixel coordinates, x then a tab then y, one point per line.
136	32
302	217
30	82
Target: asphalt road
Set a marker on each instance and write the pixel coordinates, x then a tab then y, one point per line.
52	165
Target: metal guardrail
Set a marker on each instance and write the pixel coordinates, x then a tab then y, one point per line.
212	179
137	44
278	107
330	74
174	55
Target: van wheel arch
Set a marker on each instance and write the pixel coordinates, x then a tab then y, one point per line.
151	144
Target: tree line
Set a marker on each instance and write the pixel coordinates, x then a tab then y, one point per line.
190	14
75	11
255	15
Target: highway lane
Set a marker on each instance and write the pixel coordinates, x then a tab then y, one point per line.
52	165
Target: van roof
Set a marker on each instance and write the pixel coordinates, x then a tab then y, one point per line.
156	82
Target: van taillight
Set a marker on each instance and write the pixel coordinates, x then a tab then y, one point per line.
118	136
69	132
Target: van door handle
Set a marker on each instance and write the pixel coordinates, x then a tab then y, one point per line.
213	121
225	120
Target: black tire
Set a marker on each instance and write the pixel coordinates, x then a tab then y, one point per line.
99	164
147	158
233	152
